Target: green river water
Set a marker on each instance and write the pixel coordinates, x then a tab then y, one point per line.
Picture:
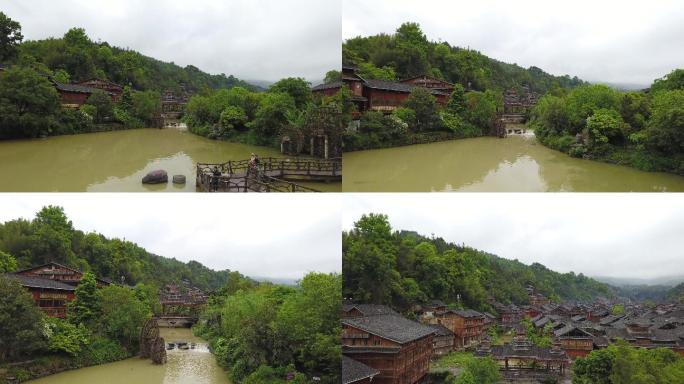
489	164
193	366
116	161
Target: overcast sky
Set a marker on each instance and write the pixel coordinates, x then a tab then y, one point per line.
250	39
269	235
620	41
612	235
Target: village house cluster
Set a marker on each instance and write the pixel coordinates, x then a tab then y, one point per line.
382	346
382	95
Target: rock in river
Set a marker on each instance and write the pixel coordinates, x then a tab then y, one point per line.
156	177
179	179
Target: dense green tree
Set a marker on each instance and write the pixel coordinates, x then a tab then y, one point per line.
272	114
104	106
424	105
20	321
457	101
86	307
232	118
550	116
63	336
482	108
146	105
622	364
332	76
7	263
583	101
603	127
483	371
10	37
672	81
28	103
666	127
122	314
297	88
370	71
265	332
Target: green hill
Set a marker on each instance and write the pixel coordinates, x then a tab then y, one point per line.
408	53
50	236
401	269
80	58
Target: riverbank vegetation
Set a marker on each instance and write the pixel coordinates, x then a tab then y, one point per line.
415	269
239	114
644	130
479	82
422	120
269	333
29	103
621	363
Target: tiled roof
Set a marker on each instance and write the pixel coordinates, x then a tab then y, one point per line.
370	309
76	88
467	313
508	350
37	282
324	86
397	87
393	327
441	330
353	371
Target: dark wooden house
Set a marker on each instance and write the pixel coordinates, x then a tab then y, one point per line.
575	341
51	296
443	341
381	95
113	89
431	82
467	325
400	349
59	272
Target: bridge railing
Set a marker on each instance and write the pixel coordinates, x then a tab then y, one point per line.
245	183
281	165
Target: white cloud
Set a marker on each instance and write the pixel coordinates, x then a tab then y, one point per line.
613	41
250	39
269	235
616	235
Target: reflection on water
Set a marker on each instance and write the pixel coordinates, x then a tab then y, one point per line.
517	164
183	367
115	161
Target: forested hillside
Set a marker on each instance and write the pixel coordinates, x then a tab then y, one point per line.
76	57
408	53
404	268
50	236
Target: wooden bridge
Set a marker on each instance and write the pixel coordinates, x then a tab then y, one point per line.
270	175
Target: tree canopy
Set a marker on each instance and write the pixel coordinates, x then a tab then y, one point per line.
401	269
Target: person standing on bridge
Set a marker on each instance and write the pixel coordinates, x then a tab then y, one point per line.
254	164
215	175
